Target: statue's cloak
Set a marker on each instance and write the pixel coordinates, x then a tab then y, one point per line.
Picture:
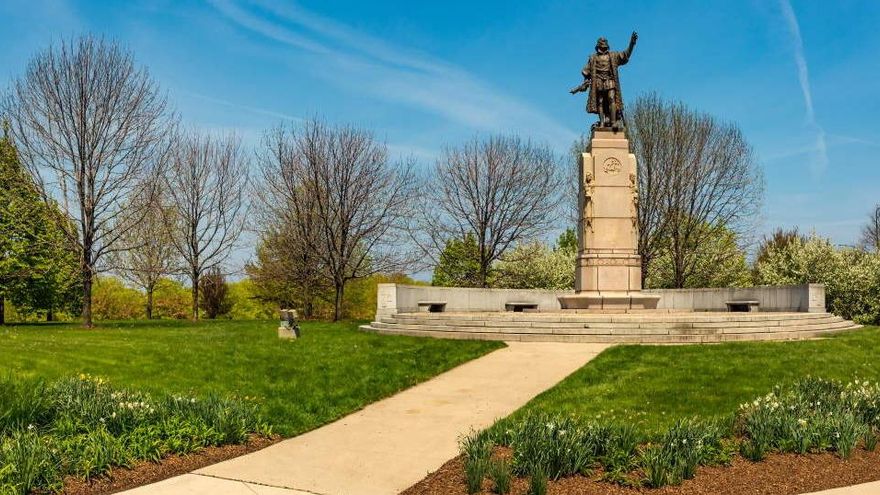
589	71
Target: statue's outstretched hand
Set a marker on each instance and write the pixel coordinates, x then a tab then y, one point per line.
634	37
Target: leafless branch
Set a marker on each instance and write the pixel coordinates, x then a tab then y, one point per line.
91	127
502	190
205	186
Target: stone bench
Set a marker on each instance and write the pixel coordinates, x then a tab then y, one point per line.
432	306
742	306
519	307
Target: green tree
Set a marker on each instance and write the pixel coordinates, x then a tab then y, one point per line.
851	276
536	265
113	300
246	305
287	272
214	299
568	241
171	299
38	270
459	264
718	261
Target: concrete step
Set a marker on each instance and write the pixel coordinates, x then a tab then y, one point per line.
607	338
490	324
479	319
622	329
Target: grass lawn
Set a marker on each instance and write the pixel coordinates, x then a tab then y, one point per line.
654	385
332	370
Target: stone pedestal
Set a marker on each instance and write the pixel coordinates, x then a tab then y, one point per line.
608	273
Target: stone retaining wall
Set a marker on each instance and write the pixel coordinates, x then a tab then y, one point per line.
397	298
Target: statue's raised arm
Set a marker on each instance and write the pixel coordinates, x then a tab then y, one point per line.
632	44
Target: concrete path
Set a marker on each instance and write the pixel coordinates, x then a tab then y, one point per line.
391	444
863	489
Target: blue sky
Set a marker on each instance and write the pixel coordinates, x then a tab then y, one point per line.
798	77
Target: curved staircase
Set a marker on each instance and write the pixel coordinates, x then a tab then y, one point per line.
647	328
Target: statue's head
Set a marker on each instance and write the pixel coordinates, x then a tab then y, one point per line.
601	45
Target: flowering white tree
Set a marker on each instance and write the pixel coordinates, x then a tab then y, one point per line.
851	276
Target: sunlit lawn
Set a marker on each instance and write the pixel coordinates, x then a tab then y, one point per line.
654	385
332	370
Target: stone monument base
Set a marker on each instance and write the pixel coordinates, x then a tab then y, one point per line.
609	300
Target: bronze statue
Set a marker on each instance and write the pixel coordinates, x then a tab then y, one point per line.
601	78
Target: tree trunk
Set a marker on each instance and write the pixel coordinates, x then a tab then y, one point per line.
195	296
2	310
337	304
149	308
50	314
87	298
87	279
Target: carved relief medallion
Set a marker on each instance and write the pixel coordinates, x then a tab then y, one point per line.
611	166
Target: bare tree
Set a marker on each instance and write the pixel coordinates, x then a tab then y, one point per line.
287	264
502	190
151	254
871	231
205	186
91	128
697	177
340	182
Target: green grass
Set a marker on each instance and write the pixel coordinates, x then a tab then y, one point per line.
653	386
332	370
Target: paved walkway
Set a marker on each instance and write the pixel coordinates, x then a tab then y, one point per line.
391	444
864	489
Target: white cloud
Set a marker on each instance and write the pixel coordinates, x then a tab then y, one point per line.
800	60
247	108
359	62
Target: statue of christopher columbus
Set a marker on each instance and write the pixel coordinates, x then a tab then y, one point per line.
603	83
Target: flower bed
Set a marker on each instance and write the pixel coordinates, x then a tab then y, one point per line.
809	416
84	427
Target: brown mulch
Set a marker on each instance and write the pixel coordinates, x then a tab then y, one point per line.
147	472
779	474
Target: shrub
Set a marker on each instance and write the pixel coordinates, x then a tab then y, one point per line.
851	276
23	404
172	300
657	465
536	265
27	462
869	440
500	473
214	294
113	300
476	449
537	483
83	426
474	472
686	445
810	415
556	446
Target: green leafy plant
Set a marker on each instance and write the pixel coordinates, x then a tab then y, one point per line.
476	449
537	483
869	440
655	462
474	472
83	426
501	474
